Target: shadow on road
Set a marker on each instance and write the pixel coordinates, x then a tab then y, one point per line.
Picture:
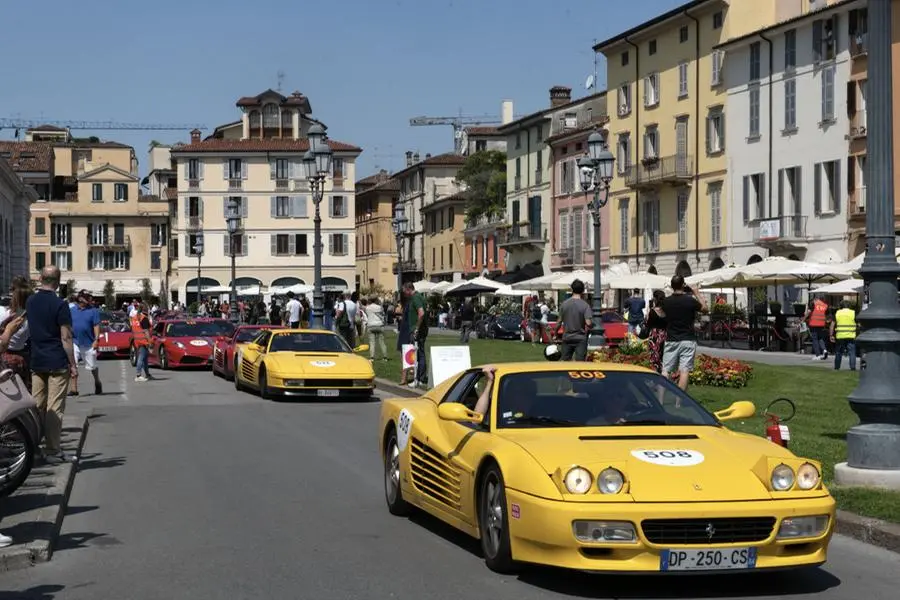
77	510
75	541
89	462
38	592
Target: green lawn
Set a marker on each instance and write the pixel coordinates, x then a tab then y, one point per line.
817	431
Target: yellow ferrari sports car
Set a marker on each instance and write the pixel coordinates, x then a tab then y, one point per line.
303	362
601	467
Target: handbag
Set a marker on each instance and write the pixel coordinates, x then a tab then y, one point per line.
643	331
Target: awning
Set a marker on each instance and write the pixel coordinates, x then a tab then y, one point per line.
523	273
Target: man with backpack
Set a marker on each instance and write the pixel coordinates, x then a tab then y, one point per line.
345	319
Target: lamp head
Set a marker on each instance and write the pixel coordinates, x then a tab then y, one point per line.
309	165
595	144
316	135
323	160
586	173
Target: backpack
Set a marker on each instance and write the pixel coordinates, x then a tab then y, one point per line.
343	321
536	312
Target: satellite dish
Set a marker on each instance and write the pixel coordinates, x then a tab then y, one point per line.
589	83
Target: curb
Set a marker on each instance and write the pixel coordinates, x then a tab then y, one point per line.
870	531
46	524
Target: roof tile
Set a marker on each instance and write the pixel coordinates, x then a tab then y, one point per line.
28	157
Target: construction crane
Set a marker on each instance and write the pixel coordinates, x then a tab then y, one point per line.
18	124
458	123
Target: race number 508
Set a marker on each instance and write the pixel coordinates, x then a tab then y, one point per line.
404	422
668	454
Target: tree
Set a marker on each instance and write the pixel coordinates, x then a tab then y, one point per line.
374	289
146	291
155	144
109	294
484	174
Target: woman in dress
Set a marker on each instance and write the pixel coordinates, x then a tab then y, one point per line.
656	323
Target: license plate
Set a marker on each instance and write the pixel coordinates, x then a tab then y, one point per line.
328	393
721	559
108	348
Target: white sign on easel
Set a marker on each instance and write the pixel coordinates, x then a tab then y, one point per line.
447	361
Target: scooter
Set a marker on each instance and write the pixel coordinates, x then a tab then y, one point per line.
20	432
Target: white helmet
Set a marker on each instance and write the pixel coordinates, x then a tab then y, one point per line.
552	352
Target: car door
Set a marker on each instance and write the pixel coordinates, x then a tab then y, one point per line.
251	357
156	337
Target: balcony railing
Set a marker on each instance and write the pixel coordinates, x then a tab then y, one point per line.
409	266
194	222
779	229
484	222
858	125
235	184
193	184
654	171
564	258
109	241
529	233
859	44
282	185
858	201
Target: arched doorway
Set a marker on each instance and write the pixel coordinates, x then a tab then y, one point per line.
716	263
334	284
287	282
683	269
190	288
243	282
754	259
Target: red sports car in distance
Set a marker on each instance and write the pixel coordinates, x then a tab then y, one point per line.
115	339
223	349
186	342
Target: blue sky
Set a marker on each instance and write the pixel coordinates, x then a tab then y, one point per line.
367	66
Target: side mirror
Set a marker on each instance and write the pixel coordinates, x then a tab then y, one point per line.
454	411
362	348
254	347
742	409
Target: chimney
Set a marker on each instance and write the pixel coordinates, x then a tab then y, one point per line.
195	136
427	156
409	158
506	112
416	158
559	95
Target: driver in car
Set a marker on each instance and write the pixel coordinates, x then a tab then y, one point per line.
519	395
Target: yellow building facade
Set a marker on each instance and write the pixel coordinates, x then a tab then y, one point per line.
376	245
445	243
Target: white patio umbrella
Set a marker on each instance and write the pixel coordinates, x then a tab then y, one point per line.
781	271
440	287
536	283
423	286
856	262
845	287
507	290
640	281
482	281
564	281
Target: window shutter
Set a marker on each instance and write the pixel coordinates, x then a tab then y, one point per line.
225	200
200	168
245	204
90	260
331	206
763	197
646	91
273	206
298	206
716	58
746	200
838	190
345	238
244	169
124	191
90	230
68	261
296	169
244	241
817	41
187	169
851	98
292	245
272	168
226	246
200	204
817	189
187	208
68	234
226	172
709	134
780	192
835	33
851	174
273	244
798	191
721	121
331	244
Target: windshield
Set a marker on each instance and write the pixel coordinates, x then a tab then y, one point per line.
115	327
594	398
509	321
246	334
308	342
199	329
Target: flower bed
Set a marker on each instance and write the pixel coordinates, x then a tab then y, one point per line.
708	370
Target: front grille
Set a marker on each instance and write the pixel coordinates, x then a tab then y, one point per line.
328	383
434	475
187	359
708	531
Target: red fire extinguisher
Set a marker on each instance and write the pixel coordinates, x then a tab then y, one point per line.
776	430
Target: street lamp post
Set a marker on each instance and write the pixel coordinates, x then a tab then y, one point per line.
233	223
399	224
198	248
596	172
317	166
873	446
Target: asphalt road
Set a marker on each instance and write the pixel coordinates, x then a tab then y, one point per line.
190	490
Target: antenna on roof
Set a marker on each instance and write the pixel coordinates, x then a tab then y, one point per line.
280	77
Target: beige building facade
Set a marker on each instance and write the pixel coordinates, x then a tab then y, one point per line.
16	197
376	245
258	160
445	241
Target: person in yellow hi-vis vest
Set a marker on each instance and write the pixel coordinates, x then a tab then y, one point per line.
843	334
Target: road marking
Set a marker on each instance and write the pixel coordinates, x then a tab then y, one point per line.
123	379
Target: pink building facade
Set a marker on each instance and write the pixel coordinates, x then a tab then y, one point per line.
572	233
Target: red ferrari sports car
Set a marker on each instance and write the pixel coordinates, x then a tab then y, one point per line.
186	342
115	339
223	349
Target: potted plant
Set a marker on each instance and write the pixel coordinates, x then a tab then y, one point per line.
759	302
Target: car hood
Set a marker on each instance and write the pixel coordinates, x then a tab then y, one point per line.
325	365
194	343
671	464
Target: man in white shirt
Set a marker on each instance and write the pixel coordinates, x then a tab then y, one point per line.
293	309
345	318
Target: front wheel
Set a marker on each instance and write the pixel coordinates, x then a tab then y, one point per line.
163	360
494	523
132	355
17	450
263	385
396	504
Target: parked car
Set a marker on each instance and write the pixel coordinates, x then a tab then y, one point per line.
500	327
547	334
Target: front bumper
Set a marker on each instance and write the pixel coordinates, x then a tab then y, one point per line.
543	533
321	389
119	352
190	358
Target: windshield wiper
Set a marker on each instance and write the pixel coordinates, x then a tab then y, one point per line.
644	422
542	420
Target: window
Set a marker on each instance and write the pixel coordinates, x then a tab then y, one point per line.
191	245
683	34
108	260
790	200
717	20
755	52
495	243
539	168
280	168
194	169
650	214
121	192
289	244
651	142
652	47
824	39
682	219
651	90
40	226
624	99
63	260
518	178
754	113
270	116
858	29
338	207
40	260
484	252
60	234
717	59
715	205
518	140
790	104
624	59
98	234
624	219
754	197
450	255
337	244
827	192
480	145
567	171
715	131
790	50
337	168
155	260
473	251
282	207
827	76
683	80
235	169
97	192
240	244
624	151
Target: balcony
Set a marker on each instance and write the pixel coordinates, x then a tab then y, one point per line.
409	266
674	169
235	185
525	234
859	44
858	125
194	223
580	120
857	204
109	242
788	231
282	185
484	223
564	258
193	184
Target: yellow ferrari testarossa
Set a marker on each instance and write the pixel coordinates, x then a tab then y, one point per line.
601	467
303	362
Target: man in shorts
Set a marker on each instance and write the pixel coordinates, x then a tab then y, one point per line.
85	334
680	349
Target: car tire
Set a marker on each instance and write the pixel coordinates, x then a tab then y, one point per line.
132	355
234	368
493	522
397	506
163	360
237	382
263	385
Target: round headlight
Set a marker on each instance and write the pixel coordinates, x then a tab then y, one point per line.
782	478
610	481
807	476
578	480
